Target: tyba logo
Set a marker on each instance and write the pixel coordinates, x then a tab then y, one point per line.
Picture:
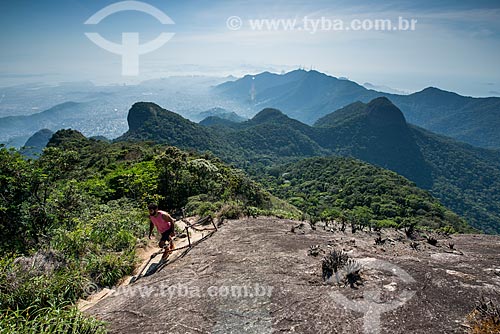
130	49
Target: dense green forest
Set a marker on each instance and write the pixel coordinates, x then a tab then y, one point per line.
465	178
74	217
352	191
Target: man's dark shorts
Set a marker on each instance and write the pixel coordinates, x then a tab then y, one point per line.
165	236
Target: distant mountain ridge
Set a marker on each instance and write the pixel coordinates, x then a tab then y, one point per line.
458	174
36	143
90	118
309	95
220	113
216	120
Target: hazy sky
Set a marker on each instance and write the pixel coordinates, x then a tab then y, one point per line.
456	44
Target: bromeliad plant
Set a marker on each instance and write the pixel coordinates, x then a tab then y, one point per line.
332	263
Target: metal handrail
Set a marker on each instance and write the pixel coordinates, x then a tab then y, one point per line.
186	248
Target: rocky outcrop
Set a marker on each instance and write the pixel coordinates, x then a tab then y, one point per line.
257	276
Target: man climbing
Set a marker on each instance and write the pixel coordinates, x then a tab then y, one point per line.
165	225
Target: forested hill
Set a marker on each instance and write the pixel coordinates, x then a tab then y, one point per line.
270	135
356	192
148	121
378	133
76	176
465	178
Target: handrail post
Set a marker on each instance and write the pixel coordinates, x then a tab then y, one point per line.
189	239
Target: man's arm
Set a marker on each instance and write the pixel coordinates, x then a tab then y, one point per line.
168	218
151	226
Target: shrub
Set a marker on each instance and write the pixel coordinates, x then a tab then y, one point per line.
50	319
379	240
252	211
409	228
283	214
431	240
123	240
314	250
21	288
386	223
332	263
353	277
447	230
485	318
201	205
231	210
107	270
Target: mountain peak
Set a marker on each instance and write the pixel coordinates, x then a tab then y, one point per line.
38	138
269	114
142	112
382	112
317	73
67	139
150	106
431	89
437	92
149	121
